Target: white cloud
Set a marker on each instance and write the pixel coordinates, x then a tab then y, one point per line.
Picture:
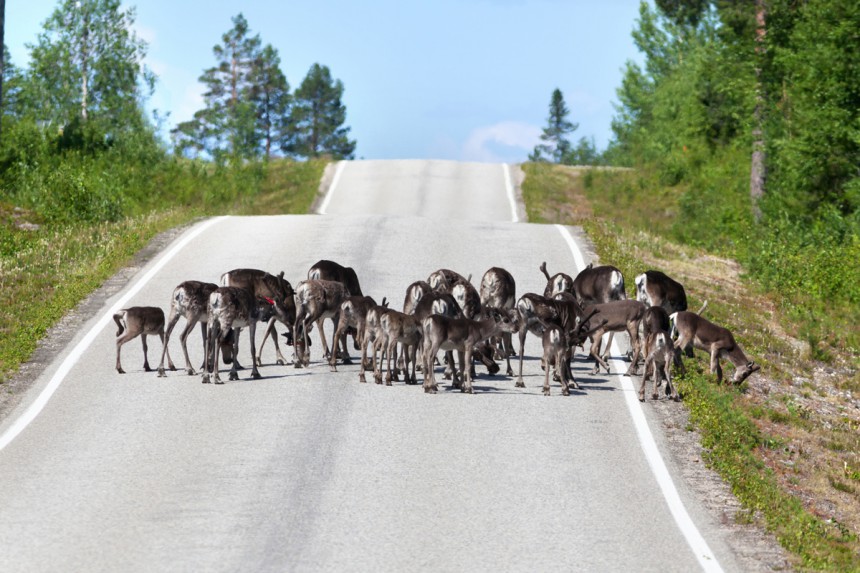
504	141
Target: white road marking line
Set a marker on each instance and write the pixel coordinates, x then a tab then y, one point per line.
509	188
688	529
335	180
71	359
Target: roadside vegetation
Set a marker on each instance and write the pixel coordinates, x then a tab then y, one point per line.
86	179
787	439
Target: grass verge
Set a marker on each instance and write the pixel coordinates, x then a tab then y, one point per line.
46	270
786	441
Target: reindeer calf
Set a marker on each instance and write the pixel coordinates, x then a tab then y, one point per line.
461	334
659	355
556	351
138	321
716	340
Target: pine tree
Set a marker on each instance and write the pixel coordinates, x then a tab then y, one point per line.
227	126
317	118
270	94
556	146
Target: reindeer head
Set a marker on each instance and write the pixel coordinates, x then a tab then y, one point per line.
743	372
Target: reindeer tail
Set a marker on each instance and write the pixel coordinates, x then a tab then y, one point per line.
119	319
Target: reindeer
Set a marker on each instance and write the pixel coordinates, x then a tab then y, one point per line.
690	328
316	300
498	290
442	280
616	316
374	336
231	308
331	271
598	285
353	316
537	311
659	355
654	288
461	334
414	293
444	304
138	321
275	287
191	300
404	329
556	351
559	282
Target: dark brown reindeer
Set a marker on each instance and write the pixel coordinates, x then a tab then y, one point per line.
499	290
616	316
325	270
655	288
414	293
138	321
443	279
598	285
462	335
190	299
559	282
232	308
690	328
275	287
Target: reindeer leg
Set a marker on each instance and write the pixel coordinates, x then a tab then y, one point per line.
715	364
174	318
466	370
520	383
430	386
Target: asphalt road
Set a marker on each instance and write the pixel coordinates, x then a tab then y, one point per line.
306	470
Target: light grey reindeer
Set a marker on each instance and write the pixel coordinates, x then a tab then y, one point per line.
138	321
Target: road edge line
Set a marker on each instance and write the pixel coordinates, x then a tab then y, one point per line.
509	189
335	180
682	518
34	409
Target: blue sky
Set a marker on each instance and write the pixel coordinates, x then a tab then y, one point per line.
429	79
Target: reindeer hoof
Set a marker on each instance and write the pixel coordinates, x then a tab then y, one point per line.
510	372
546	391
219	381
161	373
205	379
233	376
256	375
520	384
120	370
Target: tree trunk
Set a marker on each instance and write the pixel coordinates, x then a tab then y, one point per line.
2	57
758	170
85	37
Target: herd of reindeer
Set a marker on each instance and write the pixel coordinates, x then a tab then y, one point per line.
444	313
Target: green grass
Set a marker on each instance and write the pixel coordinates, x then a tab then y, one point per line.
629	225
44	273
